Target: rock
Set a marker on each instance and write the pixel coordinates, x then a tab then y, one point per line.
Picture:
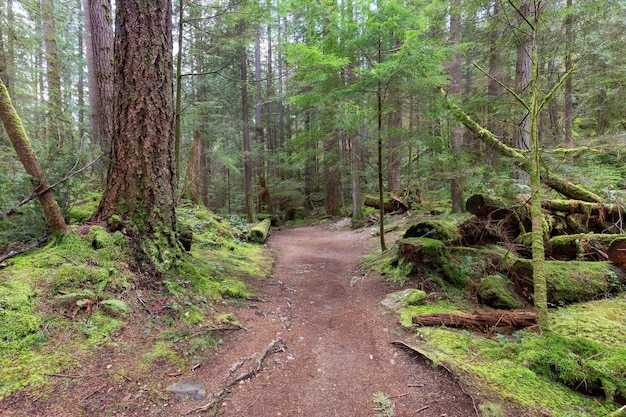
188	388
402	298
415	298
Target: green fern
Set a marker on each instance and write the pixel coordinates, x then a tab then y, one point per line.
114	305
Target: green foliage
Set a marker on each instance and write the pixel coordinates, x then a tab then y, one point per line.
384	406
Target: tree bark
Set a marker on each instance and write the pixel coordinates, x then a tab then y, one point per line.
99	52
140	185
19	139
456	130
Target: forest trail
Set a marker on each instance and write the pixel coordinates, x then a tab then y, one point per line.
337	339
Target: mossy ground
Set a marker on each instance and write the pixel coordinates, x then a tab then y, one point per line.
78	295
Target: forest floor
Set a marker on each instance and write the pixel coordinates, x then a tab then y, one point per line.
316	343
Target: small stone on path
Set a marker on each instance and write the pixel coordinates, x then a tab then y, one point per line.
188	388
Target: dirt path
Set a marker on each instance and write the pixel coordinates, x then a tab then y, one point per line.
337	337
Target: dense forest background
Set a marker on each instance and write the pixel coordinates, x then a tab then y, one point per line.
291	107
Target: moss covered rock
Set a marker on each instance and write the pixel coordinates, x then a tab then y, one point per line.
415	298
495	291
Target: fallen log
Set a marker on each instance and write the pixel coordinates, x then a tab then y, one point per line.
582	246
259	232
551	180
390	204
482	205
570	281
479	320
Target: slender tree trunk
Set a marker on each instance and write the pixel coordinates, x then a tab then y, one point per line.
81	83
309	166
567	92
247	164
456	130
394	140
331	173
540	295
179	86
55	126
258	117
523	72
496	73
140	189
99	52
19	139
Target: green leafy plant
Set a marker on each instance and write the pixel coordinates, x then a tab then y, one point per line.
383	405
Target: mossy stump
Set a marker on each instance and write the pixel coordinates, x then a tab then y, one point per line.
447	232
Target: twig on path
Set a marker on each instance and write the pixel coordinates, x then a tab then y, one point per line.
274	346
93	392
421	409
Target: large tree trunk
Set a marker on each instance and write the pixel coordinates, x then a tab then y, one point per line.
99	52
19	139
567	91
140	186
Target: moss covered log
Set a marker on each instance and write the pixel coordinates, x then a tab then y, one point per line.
260	231
582	246
570	281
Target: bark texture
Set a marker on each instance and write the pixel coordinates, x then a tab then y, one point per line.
140	187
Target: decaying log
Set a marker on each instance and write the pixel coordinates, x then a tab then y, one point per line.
617	251
482	205
390	204
582	246
259	232
479	320
570	281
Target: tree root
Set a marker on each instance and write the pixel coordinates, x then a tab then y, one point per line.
274	346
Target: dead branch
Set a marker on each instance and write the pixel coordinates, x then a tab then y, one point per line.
36	244
274	346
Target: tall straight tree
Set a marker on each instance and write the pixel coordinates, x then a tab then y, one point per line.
140	185
99	52
55	126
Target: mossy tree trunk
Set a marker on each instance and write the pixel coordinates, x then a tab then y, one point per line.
19	139
140	186
538	251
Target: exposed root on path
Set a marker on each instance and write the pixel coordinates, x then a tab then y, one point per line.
274	347
423	355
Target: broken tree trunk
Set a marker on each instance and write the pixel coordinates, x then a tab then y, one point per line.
551	180
481	320
570	281
259	232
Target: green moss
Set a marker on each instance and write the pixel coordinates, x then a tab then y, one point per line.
21	322
495	291
415	298
164	355
83	210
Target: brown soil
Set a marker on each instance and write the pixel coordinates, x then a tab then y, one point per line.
338	351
